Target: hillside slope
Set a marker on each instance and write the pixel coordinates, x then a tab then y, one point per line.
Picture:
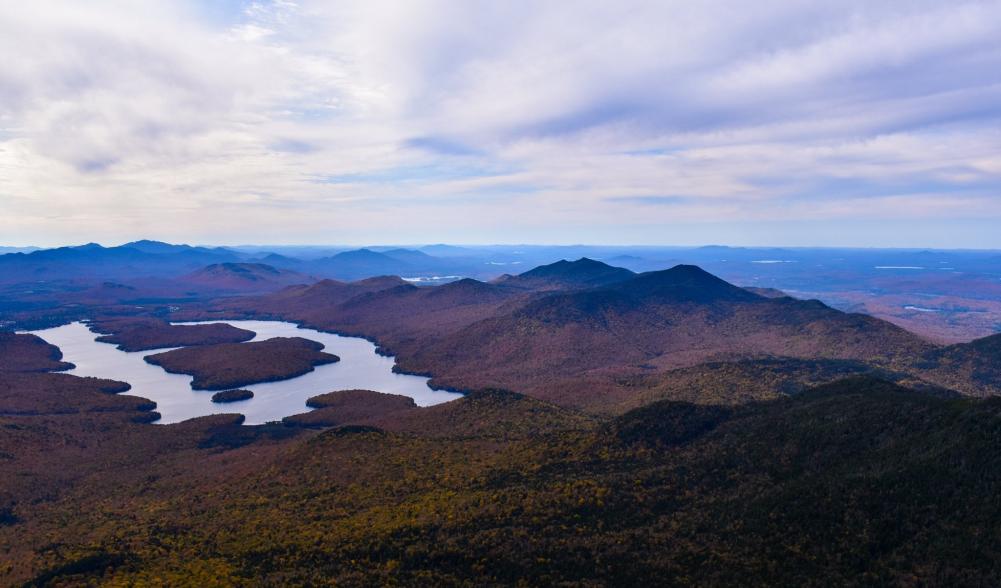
856	483
973	368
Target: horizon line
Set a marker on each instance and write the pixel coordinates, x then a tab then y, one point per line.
522	244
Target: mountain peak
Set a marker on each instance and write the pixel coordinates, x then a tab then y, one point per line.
467	289
147	243
563	266
359	253
581	273
405	252
685	283
150	246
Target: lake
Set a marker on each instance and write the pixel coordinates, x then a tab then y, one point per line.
360	367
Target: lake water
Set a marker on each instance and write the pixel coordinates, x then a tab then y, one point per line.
360	367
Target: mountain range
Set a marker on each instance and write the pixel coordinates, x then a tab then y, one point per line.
581	333
946	296
164	260
588	335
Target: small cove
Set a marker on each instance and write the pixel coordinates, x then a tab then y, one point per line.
360	367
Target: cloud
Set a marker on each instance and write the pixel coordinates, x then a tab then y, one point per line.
441	146
370	121
652	200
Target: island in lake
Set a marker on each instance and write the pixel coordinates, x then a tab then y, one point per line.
144	333
231	365
232	395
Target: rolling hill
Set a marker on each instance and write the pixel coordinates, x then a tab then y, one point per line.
973	368
244	277
360	263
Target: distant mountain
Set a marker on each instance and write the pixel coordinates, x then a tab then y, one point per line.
5	250
360	256
363	263
142	258
161	248
360	263
278	260
442	250
245	277
158	247
583	273
89	252
411	256
624	259
640	264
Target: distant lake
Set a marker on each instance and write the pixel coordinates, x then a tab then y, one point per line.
360	367
431	280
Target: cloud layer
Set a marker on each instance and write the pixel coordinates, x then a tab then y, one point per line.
855	123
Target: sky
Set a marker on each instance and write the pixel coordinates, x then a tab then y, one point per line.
851	123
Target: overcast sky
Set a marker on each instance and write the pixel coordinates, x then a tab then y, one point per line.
867	123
